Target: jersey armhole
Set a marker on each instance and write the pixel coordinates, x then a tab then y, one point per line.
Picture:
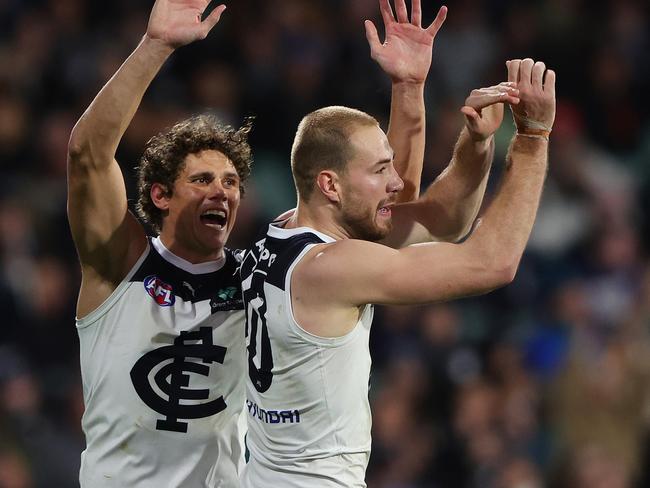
298	329
107	304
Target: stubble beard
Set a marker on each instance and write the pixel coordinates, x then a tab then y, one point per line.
361	224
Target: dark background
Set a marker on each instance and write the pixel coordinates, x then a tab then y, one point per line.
542	383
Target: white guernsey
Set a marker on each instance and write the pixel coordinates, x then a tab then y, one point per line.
162	361
160	321
309	283
306	426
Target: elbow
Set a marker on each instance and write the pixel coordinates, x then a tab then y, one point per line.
506	274
78	146
503	271
86	149
496	270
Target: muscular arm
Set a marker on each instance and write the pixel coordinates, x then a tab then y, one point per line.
406	135
108	238
351	273
448	208
102	227
440	271
405	56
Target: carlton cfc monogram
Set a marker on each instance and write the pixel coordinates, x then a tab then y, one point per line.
173	379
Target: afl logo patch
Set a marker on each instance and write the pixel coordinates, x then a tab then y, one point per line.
159	291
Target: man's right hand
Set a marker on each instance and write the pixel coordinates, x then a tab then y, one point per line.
176	23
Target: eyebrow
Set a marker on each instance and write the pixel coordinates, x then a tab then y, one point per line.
202	174
386	160
210	174
383	161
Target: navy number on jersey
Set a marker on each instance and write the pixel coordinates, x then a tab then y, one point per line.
254	271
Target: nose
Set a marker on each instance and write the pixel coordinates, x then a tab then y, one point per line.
396	184
217	191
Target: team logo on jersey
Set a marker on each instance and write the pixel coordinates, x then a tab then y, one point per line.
173	379
227	293
159	291
227	298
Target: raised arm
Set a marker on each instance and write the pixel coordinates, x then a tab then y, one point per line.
450	205
108	238
351	273
405	56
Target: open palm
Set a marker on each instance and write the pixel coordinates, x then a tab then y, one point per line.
405	55
178	22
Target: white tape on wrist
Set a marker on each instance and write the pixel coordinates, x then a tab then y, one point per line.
525	122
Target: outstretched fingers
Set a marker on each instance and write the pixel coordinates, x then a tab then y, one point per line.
213	19
373	36
402	13
416	13
438	21
386	12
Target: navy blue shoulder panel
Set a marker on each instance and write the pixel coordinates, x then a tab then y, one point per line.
221	287
273	256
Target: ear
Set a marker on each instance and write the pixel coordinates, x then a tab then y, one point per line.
328	183
160	196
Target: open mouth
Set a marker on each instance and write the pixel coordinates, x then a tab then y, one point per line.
214	218
385	210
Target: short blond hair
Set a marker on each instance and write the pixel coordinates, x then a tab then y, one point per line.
322	142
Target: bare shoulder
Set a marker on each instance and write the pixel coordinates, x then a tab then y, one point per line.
345	255
338	270
102	275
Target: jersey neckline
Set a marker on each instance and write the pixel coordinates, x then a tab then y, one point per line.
199	268
282	233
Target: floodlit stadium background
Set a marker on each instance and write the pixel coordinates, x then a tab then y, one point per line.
543	383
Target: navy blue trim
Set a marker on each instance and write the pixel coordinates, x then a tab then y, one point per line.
221	287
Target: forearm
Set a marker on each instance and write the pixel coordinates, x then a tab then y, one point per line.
406	134
506	227
99	130
460	188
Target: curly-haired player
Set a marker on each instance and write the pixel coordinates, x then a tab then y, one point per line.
160	320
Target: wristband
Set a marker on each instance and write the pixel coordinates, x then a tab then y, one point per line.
526	123
535	133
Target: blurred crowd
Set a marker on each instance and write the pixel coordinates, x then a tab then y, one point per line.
544	383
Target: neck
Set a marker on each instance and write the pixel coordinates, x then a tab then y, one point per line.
191	255
320	217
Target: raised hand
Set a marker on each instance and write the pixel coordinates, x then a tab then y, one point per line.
535	113
178	22
406	52
483	108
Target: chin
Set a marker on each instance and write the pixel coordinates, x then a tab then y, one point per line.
215	243
367	227
372	234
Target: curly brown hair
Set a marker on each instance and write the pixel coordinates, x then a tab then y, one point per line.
164	157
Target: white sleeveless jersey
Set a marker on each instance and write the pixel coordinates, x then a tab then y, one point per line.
163	368
307	396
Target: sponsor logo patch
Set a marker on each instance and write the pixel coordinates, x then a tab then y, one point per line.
159	291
